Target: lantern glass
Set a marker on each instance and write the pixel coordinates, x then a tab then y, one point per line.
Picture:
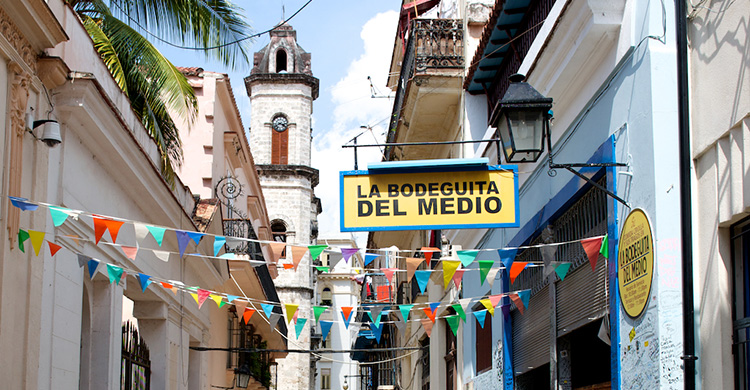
242	377
522	134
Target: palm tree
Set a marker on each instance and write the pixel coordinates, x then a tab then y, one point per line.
151	82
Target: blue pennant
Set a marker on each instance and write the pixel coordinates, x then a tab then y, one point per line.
325	328
507	256
267	308
423	276
377	331
369	257
144	280
93	264
480	317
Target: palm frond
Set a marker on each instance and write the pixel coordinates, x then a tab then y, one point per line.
104	47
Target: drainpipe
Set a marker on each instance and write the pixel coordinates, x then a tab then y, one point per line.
688	311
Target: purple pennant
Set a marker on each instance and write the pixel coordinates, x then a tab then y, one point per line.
348	252
183	239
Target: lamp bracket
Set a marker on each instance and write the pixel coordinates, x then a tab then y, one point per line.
570	167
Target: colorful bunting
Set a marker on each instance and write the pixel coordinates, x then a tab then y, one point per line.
202	296
428	251
130	251
102	224
459	311
157	233
405	309
347	253
346	313
218	299
195	236
231	298
322	268
374	314
114	272
369	257
318	310
492	275
93	265
59	215
517	300
516	269
23	235
37	239
562	270
389	273
291	310
506	311
412	263
53	248
247	314
430	311
377	331
423	276
488	304
427	325
467	257
288	266
166	285
273	320
298	252
592	246
219	242
183	239
457	277
316	250
525	295
453	323
161	255
484	269
267	309
144	281
22	203
239	307
325	328
507	256
604	250
449	269
299	325
481	315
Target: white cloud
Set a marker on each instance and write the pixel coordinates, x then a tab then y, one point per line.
353	108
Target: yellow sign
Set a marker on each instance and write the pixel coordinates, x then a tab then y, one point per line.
636	263
429	200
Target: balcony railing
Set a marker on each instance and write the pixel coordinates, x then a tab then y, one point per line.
243	228
433	44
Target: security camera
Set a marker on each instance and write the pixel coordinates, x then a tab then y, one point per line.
50	132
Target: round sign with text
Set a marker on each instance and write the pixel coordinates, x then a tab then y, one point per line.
635	263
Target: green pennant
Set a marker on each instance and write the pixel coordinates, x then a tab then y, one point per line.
460	311
58	215
322	269
484	268
114	272
157	232
318	310
23	235
604	250
316	250
405	309
467	257
453	322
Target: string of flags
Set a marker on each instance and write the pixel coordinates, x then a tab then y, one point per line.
451	270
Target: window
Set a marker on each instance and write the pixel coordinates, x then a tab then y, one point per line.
279	140
483	343
326	297
278	230
740	234
325	379
280	61
424	362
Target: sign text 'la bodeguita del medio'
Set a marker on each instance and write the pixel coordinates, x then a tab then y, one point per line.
425	197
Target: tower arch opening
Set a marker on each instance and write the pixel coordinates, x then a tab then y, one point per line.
281	61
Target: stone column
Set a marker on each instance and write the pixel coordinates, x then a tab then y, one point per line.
152	326
106	335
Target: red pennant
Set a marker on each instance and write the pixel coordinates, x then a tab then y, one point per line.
248	314
430	313
516	269
518	301
100	226
202	296
389	273
53	248
592	247
428	251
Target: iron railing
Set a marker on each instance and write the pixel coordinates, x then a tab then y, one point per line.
135	366
243	228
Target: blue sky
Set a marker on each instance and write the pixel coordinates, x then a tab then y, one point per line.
349	40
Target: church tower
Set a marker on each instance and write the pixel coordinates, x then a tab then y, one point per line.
282	89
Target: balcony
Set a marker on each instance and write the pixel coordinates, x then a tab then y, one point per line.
430	64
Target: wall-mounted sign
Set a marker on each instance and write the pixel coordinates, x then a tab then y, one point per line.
636	263
432	194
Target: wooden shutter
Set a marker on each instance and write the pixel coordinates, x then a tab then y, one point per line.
279	147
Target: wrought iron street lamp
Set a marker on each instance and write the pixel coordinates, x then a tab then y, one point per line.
242	377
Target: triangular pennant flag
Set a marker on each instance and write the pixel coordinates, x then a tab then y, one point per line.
604	250
517	300
58	214
22	203
130	251
369	257
144	281
93	265
525	295
322	268
516	269
197	300
82	260
389	273
484	268
23	235
457	277
488	304
428	251
507	256
231	298
316	250
548	269
277	249
481	315
495	299
183	239
267	309
346	313
423	276
202	296
430	311
219	242
449	268
239	307
100	226
288	266
491	276
377	331
274	320
347	253
459	311
333	261
53	248
318	310
247	315
405	309
218	299
161	255
141	232
299	325
297	253
325	329
113	227
400	324
427	324
166	285
374	314
412	263
562	270
467	257
291	310
592	247
37	239
453	323
296	314
195	236
157	233
114	272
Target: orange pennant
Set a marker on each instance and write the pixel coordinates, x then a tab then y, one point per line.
347	310
427	324
103	224
428	250
100	226
430	314
592	247
297	253
412	263
248	314
166	285
53	248
277	248
516	269
288	266
114	228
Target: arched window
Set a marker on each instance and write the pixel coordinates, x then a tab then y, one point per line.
280	61
326	297
278	230
279	140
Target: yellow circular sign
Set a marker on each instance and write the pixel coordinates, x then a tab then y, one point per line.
636	263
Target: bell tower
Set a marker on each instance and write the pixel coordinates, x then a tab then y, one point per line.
282	89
